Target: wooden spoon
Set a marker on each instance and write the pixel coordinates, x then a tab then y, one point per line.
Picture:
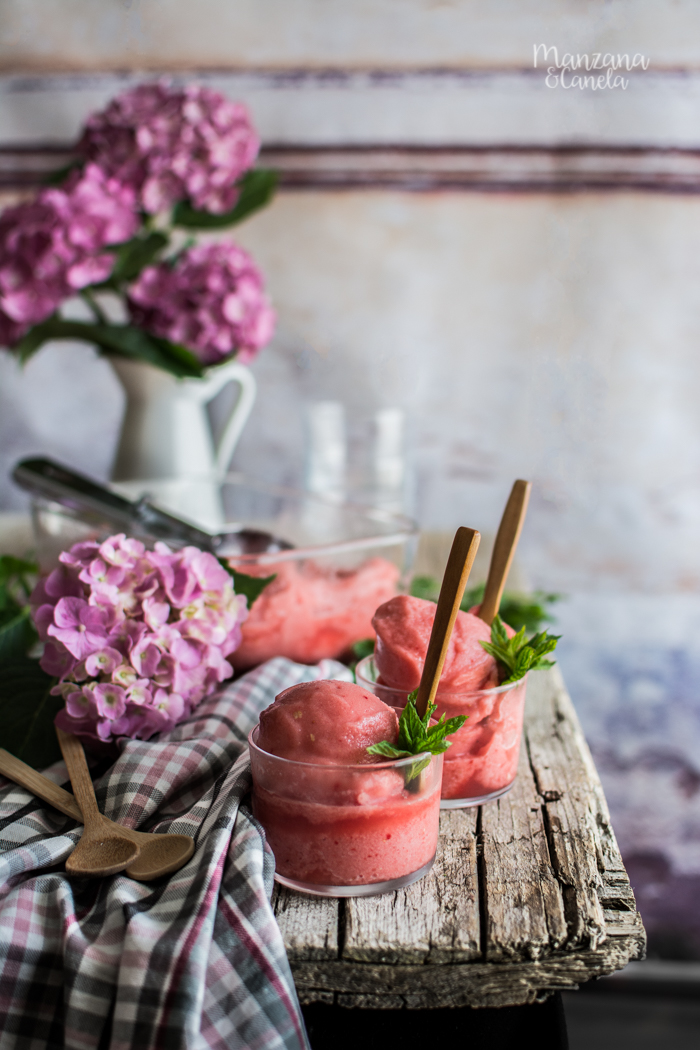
159	854
504	548
459	565
103	848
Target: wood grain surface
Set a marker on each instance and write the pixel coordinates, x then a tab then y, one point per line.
528	894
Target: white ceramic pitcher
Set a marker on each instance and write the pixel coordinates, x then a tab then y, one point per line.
166	436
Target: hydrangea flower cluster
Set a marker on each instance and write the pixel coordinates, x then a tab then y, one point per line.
137	637
211	301
153	147
169	145
54	245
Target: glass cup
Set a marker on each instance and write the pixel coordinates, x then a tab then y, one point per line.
482	761
350	830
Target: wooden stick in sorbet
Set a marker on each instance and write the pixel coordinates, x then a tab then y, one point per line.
504	549
459	565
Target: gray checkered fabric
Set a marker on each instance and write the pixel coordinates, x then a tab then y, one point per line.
194	960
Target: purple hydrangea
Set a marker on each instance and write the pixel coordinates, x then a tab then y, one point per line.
53	246
171	144
137	637
211	301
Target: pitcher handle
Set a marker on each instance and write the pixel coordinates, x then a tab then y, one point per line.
231	372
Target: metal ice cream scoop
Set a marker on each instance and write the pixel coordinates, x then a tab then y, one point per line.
87	498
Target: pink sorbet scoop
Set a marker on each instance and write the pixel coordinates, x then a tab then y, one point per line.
403	627
329	722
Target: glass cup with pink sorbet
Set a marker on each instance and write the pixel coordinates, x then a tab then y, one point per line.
482	761
342	822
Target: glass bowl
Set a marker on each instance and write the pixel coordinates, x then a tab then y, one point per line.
348	830
346	560
482	760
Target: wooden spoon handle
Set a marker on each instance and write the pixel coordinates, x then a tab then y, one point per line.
504	548
459	565
79	774
39	785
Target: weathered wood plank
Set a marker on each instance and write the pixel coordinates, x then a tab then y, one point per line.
523	905
466	984
581	840
436	920
309	925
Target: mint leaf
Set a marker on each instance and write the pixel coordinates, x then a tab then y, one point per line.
516	655
416	736
388	750
363	648
530	611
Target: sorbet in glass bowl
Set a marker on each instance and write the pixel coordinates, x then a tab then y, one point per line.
341	822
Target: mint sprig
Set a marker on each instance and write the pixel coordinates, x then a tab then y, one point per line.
418	737
516	655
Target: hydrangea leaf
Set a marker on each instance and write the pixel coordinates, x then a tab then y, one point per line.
16	637
256	190
125	340
134	255
27	711
250	586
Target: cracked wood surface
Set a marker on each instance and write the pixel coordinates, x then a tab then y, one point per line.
528	894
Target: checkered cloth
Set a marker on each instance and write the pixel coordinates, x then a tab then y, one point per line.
191	961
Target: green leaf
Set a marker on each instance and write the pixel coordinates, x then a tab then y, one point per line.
27	711
56	178
16	637
417	736
530	611
256	190
527	610
516	655
125	340
387	750
134	255
426	587
250	586
363	648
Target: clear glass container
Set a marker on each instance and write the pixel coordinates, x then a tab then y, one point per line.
482	760
346	559
348	830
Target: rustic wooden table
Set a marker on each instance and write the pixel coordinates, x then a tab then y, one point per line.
528	894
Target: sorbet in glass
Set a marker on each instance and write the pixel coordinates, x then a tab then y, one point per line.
338	820
483	758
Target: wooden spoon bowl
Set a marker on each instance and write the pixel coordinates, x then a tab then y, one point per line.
157	854
100	851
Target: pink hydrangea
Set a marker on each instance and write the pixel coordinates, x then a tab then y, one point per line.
53	246
136	637
172	144
211	301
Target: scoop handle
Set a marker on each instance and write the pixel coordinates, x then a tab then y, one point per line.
18	771
459	565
